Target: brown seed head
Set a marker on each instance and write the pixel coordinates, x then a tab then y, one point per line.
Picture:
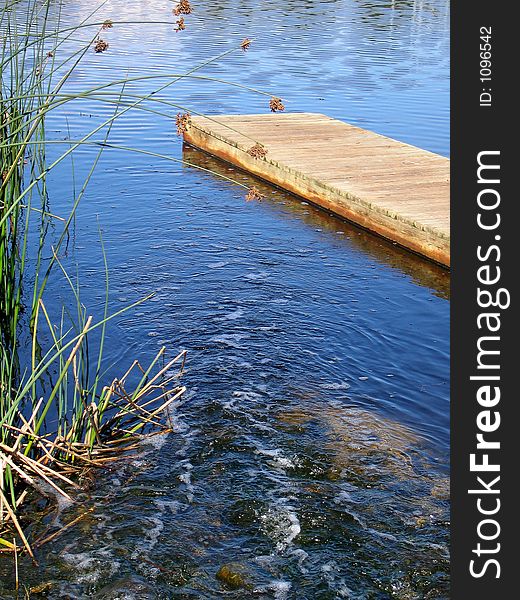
183	8
257	151
182	120
50	54
180	24
108	24
100	45
253	194
245	44
276	104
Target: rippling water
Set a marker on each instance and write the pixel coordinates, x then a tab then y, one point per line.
310	456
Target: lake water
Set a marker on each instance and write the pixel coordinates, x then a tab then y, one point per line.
310	453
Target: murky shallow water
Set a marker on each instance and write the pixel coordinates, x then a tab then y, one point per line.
310	454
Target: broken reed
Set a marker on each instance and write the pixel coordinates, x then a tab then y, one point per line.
57	417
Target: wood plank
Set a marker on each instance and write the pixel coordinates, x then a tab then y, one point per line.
391	188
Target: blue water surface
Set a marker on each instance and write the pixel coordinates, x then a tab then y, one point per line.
311	449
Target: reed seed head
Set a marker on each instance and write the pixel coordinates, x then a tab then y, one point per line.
182	121
180	24
253	194
276	104
100	45
257	151
183	8
108	24
245	44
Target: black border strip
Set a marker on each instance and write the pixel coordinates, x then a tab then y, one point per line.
478	128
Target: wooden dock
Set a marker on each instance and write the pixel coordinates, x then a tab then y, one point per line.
390	188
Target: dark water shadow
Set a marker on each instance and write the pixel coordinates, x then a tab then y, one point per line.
422	271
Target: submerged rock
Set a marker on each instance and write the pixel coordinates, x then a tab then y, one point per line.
234	576
363	448
358	439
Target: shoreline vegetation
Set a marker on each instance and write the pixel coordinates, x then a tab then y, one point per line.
59	417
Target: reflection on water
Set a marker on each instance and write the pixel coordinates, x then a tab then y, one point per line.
422	271
309	459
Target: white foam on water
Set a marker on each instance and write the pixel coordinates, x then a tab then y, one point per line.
154	442
242	396
90	567
381	534
151	537
265	560
153	533
281	524
345	497
336	583
187	439
243	364
283	462
229	339
247	395
438	547
279	588
233	316
168	506
272	453
81	560
402	589
278	459
179	426
185	477
261	426
341	385
126	596
361	522
302	556
229	404
261	276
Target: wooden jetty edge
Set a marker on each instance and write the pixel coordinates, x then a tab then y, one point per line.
390	188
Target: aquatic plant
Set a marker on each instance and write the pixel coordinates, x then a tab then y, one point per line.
58	415
182	120
100	45
183	8
180	24
257	151
253	194
246	43
276	104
